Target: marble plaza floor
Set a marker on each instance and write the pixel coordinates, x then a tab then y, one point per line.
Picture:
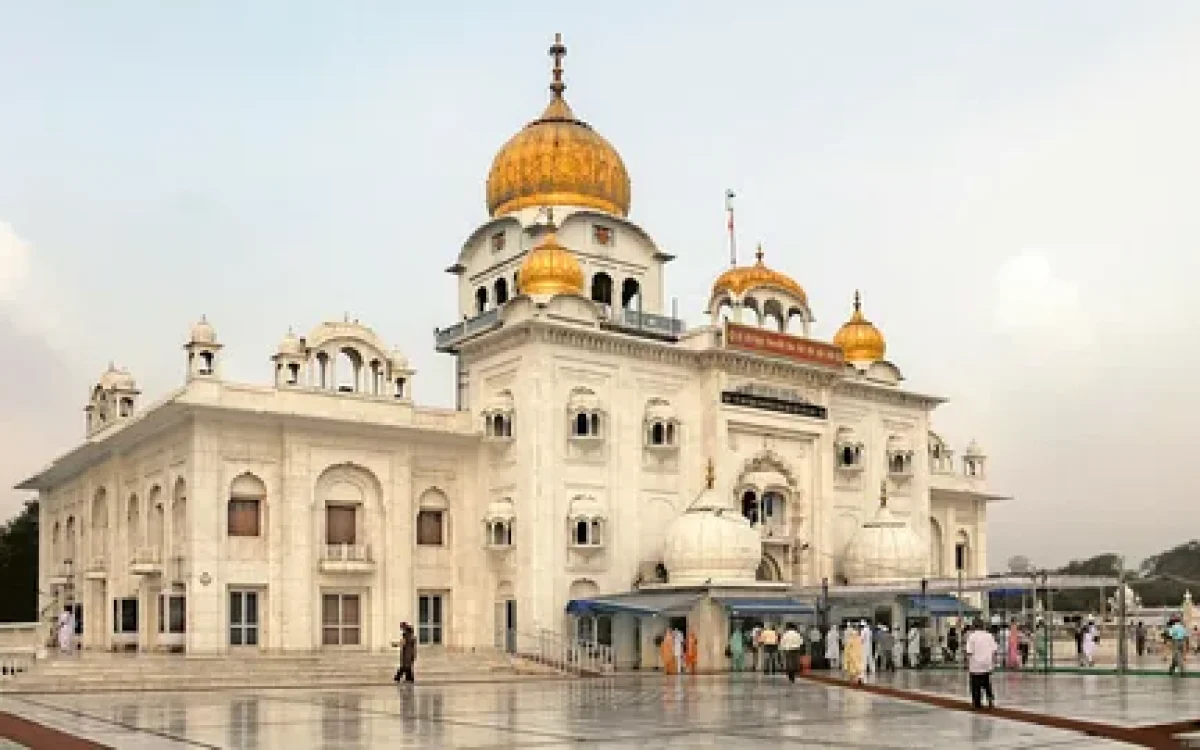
642	712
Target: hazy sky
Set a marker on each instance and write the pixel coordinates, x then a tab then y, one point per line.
1012	185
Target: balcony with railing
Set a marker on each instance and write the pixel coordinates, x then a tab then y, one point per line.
146	561
97	566
347	559
62	573
645	324
451	336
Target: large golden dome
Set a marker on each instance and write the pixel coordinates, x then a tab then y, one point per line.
558	160
859	339
550	269
740	279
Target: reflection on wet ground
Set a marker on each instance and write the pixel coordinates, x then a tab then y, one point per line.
644	712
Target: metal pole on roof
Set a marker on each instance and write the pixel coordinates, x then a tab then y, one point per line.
962	631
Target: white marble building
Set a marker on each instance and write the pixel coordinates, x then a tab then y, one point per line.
320	510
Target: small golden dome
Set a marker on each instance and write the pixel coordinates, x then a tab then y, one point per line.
558	160
858	338
550	269
742	278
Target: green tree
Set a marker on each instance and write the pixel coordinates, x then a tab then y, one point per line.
19	566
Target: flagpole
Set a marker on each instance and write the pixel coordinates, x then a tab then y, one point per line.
732	237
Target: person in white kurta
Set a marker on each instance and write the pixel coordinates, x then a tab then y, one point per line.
868	652
1089	645
914	647
66	631
833	647
678	636
898	651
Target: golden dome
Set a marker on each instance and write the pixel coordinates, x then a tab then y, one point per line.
558	160
858	338
550	269
739	279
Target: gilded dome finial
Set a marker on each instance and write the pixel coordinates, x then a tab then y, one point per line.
558	51
758	254
857	302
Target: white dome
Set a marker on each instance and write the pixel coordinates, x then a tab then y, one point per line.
117	379
885	549
711	544
203	332
291	345
973	450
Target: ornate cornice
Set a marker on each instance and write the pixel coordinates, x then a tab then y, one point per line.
882	395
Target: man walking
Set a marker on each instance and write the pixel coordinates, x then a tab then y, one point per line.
981	651
769	639
790	646
1177	634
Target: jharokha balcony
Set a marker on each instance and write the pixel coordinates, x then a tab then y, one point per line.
347	558
147	561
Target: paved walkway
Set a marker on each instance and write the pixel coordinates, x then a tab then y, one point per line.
643	712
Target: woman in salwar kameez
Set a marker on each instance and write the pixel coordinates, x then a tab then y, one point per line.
852	655
667	651
737	650
691	653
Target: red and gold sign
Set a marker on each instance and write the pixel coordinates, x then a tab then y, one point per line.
759	341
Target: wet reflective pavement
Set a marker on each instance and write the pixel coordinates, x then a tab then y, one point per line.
644	712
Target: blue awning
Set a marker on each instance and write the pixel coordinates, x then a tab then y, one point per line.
746	607
940	604
641	604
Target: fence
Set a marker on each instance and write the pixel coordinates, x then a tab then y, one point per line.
552	649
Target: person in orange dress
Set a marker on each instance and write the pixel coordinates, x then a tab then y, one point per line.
691	653
667	651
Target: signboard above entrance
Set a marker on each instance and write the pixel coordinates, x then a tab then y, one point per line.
759	341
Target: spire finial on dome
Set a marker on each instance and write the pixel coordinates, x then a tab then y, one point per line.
857	301
758	254
710	475
558	51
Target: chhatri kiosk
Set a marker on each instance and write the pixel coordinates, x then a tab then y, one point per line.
318	509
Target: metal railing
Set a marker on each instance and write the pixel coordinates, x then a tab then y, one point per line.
565	654
149	555
14	661
347	553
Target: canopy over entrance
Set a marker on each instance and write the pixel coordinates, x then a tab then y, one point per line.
749	607
643	604
941	604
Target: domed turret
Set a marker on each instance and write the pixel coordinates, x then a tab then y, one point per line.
550	269
858	338
202	332
885	548
558	160
711	544
741	279
291	345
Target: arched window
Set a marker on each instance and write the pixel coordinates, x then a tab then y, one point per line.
658	434
631	295
962	553
481	300
602	288
206	363
750	507
498	524
582	428
126	407
133	523
586	521
585	415
517	282
400	388
179	528
349	370
431	519
501	290
247	496
773	317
